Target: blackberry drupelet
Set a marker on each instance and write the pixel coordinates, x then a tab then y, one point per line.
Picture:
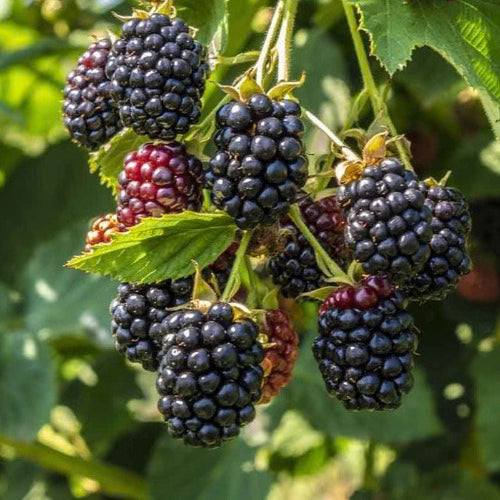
449	259
101	231
388	224
366	345
295	269
209	377
90	115
259	164
137	313
158	179
279	358
158	76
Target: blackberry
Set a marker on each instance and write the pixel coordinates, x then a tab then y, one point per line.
259	164
279	358
388	224
449	259
295	269
89	112
157	179
157	75
138	312
101	231
209	377
366	345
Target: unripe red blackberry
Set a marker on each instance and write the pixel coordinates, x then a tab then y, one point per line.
158	76
90	115
280	356
155	180
366	345
138	312
101	231
449	258
388	225
259	165
210	376
294	268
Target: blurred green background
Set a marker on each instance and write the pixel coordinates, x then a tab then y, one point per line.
77	422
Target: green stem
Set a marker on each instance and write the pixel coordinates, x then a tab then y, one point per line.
369	478
260	66
378	105
253	293
113	480
285	40
316	121
244	57
233	277
334	268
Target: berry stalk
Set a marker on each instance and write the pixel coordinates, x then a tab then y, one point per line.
378	106
233	277
285	40
333	267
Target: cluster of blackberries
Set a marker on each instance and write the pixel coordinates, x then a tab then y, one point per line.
89	111
210	376
157	72
259	165
366	345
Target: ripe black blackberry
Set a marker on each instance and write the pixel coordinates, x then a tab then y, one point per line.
366	345
259	164
209	376
158	179
158	76
449	259
89	112
137	313
388	224
295	269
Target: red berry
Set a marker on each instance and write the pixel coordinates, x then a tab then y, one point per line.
365	297
158	179
380	284
101	231
344	297
279	359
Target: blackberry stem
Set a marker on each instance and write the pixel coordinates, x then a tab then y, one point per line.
234	276
285	40
260	66
244	57
333	267
316	121
253	293
378	105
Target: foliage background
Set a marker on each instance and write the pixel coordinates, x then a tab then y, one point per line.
76	421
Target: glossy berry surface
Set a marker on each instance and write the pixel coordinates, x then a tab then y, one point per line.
366	345
279	358
155	180
449	259
157	75
294	269
90	115
388	225
101	231
259	164
210	376
138	312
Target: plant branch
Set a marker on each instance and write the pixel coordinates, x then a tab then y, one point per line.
253	293
113	480
234	276
260	66
285	40
378	105
335	269
244	57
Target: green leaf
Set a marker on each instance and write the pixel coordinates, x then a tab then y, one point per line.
228	472
307	394
108	160
492	110
485	369
27	384
63	300
161	248
209	16
464	32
